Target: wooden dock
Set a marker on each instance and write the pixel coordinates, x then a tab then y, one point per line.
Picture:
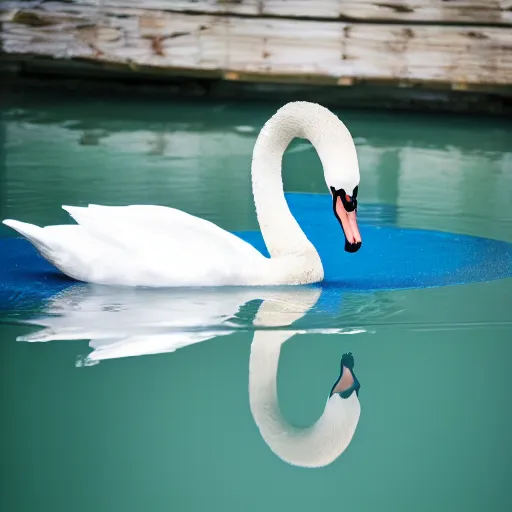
419	47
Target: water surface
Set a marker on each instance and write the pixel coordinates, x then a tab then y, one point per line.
139	400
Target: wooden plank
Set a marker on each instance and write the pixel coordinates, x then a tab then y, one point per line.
435	11
265	49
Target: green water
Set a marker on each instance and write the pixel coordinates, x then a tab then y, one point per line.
174	431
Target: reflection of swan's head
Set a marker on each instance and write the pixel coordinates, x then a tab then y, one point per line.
316	446
323	442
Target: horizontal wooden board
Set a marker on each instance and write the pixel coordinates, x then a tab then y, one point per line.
435	11
238	48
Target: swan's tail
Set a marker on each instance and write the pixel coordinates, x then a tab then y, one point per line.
33	233
55	244
41	239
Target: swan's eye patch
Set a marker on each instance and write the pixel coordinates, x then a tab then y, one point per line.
349	202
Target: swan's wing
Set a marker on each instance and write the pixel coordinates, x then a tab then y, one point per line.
146	246
170	247
158	224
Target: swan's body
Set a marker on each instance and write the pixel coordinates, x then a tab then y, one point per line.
157	246
156	321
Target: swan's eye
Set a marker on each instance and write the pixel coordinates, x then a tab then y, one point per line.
349	203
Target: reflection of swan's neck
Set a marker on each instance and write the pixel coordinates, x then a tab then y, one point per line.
315	446
333	142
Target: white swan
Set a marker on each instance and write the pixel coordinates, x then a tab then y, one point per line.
127	322
156	246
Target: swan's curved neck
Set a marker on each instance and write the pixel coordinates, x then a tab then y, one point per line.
334	145
315	446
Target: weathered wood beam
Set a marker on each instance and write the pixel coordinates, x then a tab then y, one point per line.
262	49
489	12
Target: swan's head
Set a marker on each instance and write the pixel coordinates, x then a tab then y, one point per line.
345	210
338	154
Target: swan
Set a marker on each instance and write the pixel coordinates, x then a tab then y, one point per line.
130	322
157	246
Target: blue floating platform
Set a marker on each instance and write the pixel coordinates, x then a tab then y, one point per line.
390	258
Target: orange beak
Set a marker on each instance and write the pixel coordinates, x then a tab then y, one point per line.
348	221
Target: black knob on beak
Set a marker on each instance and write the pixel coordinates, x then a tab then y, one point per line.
352	247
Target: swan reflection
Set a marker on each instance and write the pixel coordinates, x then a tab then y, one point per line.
323	442
129	322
